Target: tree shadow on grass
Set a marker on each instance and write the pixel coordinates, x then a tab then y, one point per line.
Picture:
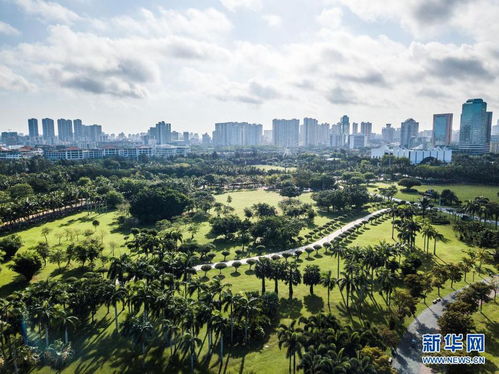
290	308
314	304
18	284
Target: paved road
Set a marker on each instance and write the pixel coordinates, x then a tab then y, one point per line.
408	355
325	239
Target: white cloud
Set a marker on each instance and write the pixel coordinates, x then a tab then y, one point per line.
272	20
7	29
11	81
234	5
330	18
48	11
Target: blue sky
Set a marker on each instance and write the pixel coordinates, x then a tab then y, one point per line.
129	64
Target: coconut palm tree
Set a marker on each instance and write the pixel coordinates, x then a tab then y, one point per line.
66	319
188	343
291	338
263	269
329	282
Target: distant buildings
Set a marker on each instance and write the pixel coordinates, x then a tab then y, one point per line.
408	133
388	133
357	141
65	130
10	138
475	130
286	132
33	128
355	128
442	129
19	153
237	134
415	156
366	129
76	153
311	131
48	129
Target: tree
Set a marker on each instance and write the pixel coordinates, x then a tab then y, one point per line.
448	197
408	183
455	323
405	304
329	282
220	266
27	264
291	338
10	245
113	199
206	268
263	269
226	226
45	232
312	276
290	191
20	191
154	204
43	250
264	210
95	224
236	265
292	277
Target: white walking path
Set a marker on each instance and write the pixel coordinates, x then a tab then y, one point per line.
321	241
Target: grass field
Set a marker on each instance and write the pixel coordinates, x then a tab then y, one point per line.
463	191
99	350
487	322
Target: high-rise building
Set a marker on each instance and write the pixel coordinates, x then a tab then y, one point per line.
366	129
408	133
48	128
65	129
345	125
164	132
33	128
311	131
388	133
206	139
476	123
286	132
186	137
93	133
323	134
237	133
355	128
442	129
78	129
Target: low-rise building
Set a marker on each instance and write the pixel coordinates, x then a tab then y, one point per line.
415	155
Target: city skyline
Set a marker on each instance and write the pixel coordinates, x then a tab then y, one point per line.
243	61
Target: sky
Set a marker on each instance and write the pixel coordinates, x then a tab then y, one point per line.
127	64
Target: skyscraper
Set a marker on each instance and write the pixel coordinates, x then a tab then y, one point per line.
345	125
388	133
33	127
164	132
442	129
48	129
237	133
408	133
323	134
366	129
79	130
65	130
355	128
476	123
311	130
286	132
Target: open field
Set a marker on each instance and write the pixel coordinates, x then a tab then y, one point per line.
487	322
107	354
463	191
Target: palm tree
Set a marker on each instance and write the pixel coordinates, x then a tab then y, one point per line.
437	237
44	313
139	330
424	204
291	338
66	319
188	343
293	277
347	283
219	324
328	281
119	295
246	307
263	269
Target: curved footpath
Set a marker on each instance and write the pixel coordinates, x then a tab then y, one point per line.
321	241
407	359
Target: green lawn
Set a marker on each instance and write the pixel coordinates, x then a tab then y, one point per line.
463	191
487	322
108	230
99	350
